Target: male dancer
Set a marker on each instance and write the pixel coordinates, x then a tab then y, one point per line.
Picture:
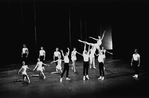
85	63
135	62
42	54
56	54
66	65
101	59
25	53
92	57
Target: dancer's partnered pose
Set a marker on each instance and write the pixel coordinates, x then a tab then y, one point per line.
99	40
56	54
86	63
25	53
42	54
101	59
40	68
74	58
135	62
95	45
66	65
92	57
58	67
23	71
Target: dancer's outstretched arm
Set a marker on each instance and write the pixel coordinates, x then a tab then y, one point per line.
68	51
103	35
79	53
35	66
19	70
109	52
62	53
139	62
131	61
93	38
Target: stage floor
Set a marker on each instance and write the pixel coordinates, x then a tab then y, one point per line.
118	83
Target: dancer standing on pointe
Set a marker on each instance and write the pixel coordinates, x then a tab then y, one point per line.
56	54
42	54
25	53
101	59
66	65
58	67
74	58
23	71
135	62
40	68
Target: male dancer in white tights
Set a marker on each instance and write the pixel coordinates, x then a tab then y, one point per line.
135	62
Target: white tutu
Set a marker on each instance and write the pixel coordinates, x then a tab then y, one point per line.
73	58
58	67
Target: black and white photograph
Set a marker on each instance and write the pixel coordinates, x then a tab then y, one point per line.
74	48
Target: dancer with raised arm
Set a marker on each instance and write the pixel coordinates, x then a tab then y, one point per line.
99	40
58	66
101	59
25	53
42	54
66	65
40	68
74	58
23	71
92	57
56	54
105	51
135	62
85	62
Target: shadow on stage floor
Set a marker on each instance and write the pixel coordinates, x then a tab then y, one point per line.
118	83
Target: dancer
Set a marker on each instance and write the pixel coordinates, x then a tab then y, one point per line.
56	54
25	53
92	57
86	63
66	65
101	59
58	67
135	62
105	51
23	71
99	40
74	58
42	54
40	68
95	45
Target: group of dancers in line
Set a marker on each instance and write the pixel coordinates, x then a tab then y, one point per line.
88	60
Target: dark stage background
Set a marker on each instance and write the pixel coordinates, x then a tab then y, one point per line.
60	23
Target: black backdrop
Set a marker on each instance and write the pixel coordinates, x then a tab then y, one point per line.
128	21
